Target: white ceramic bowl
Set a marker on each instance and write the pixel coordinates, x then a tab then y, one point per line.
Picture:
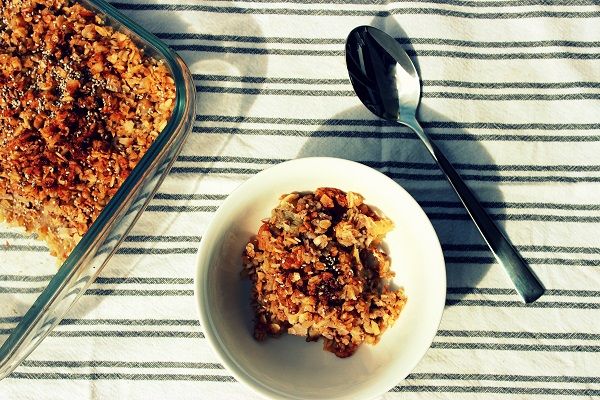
288	367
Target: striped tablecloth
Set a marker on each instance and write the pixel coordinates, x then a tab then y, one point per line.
511	95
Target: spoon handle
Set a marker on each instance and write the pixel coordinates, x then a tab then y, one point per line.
526	283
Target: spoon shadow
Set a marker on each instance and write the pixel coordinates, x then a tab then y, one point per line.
398	153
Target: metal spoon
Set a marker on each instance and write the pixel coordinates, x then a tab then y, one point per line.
386	81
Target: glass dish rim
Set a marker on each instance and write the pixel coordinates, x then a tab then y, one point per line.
105	219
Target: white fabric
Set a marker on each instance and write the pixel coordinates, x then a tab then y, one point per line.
511	95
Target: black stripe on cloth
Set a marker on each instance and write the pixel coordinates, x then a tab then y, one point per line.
518	304
515	217
23	247
436	344
162	208
530	260
21	290
390	11
104	280
263	79
507	291
188	196
432	215
398	164
425	94
9	320
445	247
14	235
94	376
189	281
449	302
129	322
399	175
233	159
503	378
479	260
511	96
275	92
516	85
375	134
387	165
449	259
228	379
427	203
575	348
570	55
514	205
427	83
254	39
532	248
120	364
143	281
451	290
140	292
25	278
129	334
185	281
216	366
519	335
341	42
172	250
161	239
440	333
183	292
466	3
495	390
384	165
343	122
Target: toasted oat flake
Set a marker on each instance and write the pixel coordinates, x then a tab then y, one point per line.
318	271
79	106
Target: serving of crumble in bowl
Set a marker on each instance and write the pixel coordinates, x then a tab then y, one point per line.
320	278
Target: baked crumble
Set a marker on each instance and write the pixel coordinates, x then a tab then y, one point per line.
318	271
80	104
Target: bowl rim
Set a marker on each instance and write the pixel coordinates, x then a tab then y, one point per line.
201	301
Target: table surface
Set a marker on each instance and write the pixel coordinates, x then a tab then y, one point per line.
511	94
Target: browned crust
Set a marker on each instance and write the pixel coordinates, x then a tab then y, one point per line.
79	106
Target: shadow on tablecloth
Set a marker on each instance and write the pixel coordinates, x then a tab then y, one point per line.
405	159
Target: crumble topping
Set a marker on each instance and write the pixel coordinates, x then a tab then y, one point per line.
318	271
80	104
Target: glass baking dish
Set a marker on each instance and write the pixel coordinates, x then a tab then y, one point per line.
21	332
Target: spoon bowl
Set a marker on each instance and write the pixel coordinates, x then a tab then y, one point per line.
386	81
388	69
